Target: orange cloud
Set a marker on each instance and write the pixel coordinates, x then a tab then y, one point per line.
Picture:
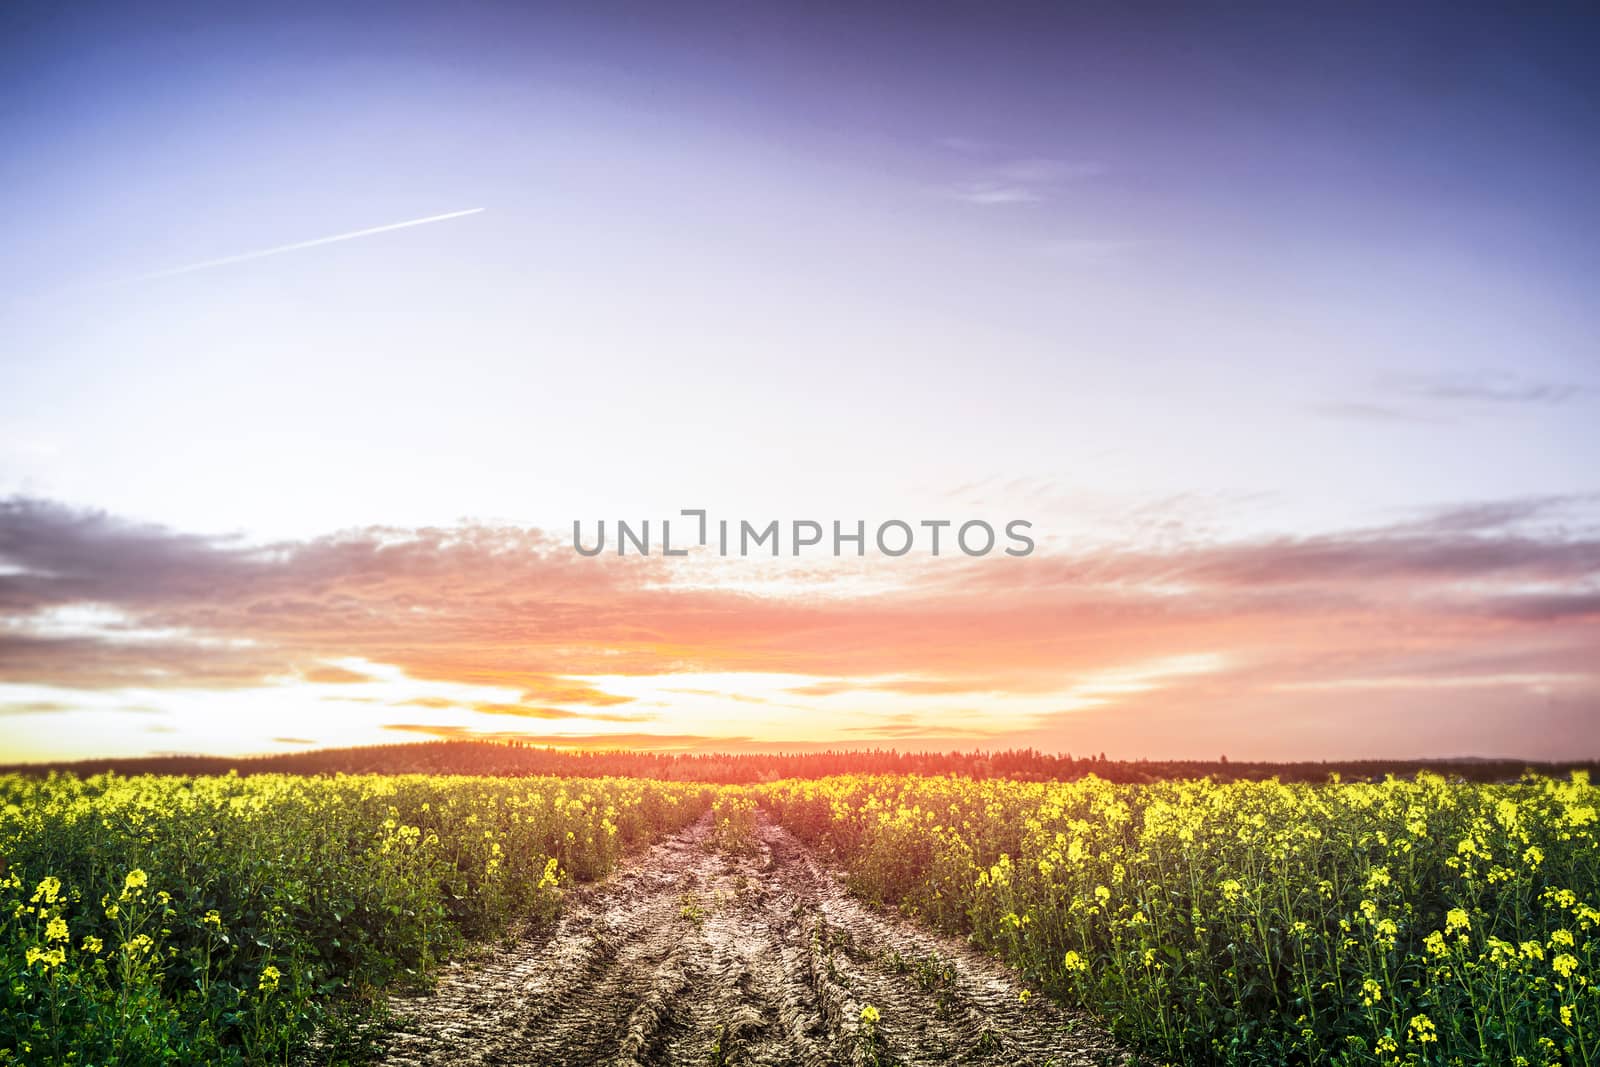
336	675
1489	591
530	711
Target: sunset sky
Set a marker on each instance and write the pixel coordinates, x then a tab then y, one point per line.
318	330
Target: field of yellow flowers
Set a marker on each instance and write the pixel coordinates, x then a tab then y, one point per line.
234	920
226	920
1408	922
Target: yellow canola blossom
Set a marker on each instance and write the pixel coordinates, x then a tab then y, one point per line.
1225	920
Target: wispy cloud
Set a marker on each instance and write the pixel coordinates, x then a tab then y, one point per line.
35	707
533	711
1493	387
1041	171
1363	411
991	193
1019	181
1432	399
329	675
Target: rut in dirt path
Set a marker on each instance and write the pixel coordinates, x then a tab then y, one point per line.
692	956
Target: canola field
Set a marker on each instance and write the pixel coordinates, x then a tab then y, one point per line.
226	920
264	919
1257	923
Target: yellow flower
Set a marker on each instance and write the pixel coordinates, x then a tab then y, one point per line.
1564	964
269	979
869	1015
1074	962
1457	919
134	884
1371	992
1422	1031
56	930
93	945
54	957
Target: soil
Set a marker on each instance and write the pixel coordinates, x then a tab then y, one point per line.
688	955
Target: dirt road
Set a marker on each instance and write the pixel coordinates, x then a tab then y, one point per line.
693	956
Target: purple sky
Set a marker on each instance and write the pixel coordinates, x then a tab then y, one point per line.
1159	280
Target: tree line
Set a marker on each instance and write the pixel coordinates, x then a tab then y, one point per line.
518	758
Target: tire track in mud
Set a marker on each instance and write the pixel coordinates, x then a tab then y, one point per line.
688	955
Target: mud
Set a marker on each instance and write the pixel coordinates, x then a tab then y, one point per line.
692	956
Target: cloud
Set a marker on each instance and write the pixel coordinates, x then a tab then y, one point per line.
741	698
567	691
990	193
1493	387
53	707
907	725
1506	588
334	676
1434	399
1359	411
102	663
1020	181
524	710
1045	171
35	707
1499	516
923	686
530	711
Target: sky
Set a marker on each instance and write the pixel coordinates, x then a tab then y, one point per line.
320	327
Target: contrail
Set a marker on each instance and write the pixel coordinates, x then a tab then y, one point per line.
279	250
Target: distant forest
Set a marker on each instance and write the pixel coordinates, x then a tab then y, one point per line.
512	759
